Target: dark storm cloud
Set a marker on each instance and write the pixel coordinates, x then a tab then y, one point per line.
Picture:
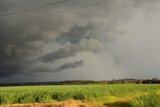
60	53
21	42
69	66
87	30
76	34
71	50
9	70
17	44
4	5
41	69
78	39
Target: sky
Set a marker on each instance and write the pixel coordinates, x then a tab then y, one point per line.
79	40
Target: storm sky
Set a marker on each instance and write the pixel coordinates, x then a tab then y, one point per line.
79	40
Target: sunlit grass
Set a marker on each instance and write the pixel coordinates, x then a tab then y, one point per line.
149	100
113	94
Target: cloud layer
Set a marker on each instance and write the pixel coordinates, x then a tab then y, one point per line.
110	37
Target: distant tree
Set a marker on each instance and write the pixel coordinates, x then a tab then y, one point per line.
140	81
113	81
155	79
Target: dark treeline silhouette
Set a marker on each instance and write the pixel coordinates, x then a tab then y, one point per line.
84	82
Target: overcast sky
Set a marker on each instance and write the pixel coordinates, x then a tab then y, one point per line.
115	39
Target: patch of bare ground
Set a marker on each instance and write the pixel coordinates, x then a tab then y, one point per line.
56	104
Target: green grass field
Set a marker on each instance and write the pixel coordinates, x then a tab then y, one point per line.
114	95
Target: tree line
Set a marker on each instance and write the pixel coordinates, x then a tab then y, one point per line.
84	82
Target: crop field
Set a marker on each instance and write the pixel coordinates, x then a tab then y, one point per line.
110	95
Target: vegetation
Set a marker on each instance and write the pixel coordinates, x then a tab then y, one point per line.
84	82
149	100
131	95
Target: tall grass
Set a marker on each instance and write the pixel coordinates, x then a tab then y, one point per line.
150	100
26	94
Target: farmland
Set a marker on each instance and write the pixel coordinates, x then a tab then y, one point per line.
112	95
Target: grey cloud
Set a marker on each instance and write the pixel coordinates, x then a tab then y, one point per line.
91	45
78	39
